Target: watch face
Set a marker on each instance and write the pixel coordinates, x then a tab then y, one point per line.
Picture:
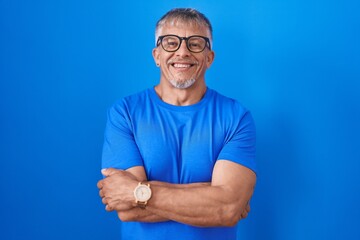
142	193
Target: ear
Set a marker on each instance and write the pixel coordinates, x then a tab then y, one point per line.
156	56
210	58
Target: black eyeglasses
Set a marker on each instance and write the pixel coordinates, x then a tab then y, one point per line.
195	43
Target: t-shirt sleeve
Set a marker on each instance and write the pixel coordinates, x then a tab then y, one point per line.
240	148
119	150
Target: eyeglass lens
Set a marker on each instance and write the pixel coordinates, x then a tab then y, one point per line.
194	44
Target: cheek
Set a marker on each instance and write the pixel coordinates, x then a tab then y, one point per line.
205	64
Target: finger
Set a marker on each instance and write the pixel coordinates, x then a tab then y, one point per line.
110	171
246	211
247	208
244	214
108	208
101	194
105	200
99	184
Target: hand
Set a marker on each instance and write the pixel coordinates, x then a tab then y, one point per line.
116	190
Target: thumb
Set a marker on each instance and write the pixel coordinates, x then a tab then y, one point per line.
109	171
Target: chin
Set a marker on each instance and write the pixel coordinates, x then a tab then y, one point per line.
182	84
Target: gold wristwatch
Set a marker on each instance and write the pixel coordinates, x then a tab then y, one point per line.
142	194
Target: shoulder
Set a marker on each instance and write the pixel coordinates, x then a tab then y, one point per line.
131	101
126	106
231	113
227	105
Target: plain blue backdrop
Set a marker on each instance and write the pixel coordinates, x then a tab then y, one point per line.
295	64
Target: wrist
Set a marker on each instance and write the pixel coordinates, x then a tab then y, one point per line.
142	194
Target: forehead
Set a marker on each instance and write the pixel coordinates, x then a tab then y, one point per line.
183	29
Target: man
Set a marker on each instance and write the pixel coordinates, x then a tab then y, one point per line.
179	158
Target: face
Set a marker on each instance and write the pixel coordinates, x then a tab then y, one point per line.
182	69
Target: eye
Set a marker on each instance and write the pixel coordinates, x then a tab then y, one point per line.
170	42
196	44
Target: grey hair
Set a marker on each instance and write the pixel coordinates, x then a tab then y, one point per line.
183	15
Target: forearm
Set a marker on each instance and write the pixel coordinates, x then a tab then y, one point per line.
200	206
222	203
143	215
139	215
180	186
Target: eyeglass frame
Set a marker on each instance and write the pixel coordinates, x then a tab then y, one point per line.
160	38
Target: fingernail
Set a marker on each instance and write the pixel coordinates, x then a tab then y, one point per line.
103	171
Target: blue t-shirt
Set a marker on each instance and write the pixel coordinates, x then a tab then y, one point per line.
177	144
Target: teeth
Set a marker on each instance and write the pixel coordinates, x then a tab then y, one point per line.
180	65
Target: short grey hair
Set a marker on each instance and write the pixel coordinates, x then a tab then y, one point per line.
183	15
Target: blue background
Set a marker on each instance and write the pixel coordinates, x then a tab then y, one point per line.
295	64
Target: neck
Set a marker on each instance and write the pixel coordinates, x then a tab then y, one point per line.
181	97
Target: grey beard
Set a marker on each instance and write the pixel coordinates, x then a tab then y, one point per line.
182	84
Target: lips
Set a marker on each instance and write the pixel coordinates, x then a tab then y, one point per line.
182	65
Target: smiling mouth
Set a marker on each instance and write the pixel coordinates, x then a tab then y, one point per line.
182	65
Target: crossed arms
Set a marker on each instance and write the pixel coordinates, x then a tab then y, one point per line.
222	202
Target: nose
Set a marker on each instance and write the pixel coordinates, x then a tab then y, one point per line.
183	50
